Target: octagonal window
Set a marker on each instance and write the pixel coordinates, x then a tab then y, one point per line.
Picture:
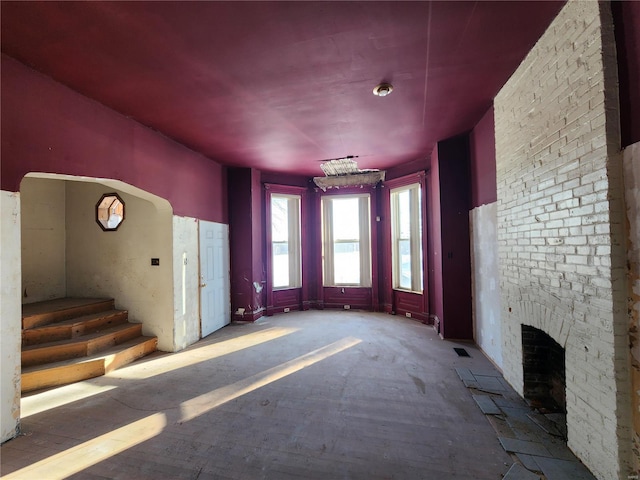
110	212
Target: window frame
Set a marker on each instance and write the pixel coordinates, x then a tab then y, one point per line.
415	237
110	208
293	242
364	241
299	264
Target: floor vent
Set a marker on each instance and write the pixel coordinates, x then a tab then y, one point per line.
461	352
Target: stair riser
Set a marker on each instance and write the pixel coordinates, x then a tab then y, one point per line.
132	354
63	332
39	356
38	320
102	343
53	354
61	375
82	371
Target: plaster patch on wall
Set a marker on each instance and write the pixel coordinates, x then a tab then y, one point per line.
631	162
186	303
10	314
255	304
486	296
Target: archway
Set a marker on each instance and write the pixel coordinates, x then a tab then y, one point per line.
66	253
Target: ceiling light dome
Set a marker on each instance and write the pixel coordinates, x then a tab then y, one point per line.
383	89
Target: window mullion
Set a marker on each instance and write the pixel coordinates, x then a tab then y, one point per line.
395	234
294	242
365	248
416	267
327	249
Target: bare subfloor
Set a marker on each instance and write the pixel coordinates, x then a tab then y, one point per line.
312	395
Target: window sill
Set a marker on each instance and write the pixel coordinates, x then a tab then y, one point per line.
404	290
280	289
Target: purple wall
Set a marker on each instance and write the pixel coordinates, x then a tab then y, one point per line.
286	179
449	252
49	128
434	239
384	254
257	239
407	168
247	242
626	17
453	155
482	146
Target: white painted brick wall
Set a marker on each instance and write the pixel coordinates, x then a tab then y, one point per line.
560	226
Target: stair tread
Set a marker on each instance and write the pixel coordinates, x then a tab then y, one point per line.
75	320
58	304
97	356
83	338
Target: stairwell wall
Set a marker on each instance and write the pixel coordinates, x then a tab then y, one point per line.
43	227
117	263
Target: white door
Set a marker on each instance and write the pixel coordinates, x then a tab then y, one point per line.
215	294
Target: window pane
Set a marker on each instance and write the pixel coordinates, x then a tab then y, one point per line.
345	219
279	219
280	264
285	241
404	247
404	212
346	259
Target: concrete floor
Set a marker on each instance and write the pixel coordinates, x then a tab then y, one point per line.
311	395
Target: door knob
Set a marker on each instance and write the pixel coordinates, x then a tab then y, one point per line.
203	285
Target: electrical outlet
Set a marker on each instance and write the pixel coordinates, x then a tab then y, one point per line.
347	307
155	262
287	309
408	314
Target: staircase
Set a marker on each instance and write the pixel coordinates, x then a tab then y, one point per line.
71	339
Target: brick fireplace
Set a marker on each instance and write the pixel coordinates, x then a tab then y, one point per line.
561	235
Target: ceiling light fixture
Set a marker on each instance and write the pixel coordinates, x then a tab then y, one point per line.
383	89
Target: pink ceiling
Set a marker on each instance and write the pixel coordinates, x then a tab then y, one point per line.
281	85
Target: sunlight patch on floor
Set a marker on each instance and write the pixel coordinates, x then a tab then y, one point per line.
197	355
206	402
60	396
80	457
83	456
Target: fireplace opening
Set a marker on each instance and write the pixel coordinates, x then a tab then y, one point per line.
544	371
